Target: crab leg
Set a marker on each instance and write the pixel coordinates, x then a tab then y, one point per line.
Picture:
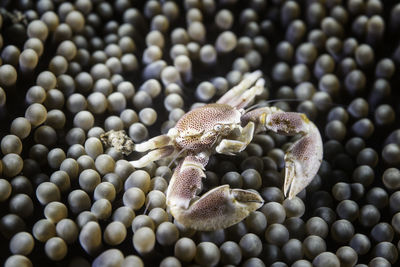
230	147
237	91
244	99
153	156
303	158
155	142
220	207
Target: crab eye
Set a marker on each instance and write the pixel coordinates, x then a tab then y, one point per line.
217	127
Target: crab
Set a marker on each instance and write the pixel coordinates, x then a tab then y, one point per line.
225	127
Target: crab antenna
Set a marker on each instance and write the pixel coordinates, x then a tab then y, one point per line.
147	207
264	103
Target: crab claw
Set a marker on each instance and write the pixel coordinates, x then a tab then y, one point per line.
246	201
304	157
219	208
302	161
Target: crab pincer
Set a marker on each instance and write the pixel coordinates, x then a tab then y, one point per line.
219	208
304	156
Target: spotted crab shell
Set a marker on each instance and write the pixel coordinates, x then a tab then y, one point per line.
203	119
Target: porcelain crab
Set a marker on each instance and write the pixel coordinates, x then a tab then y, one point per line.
225	127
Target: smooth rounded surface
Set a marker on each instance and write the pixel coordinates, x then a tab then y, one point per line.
102	209
104	190
391	156
142	221
28	59
84	120
22	243
379	261
43	230
109	258
348	209
274	212
256	222
47	192
67	230
294	207
138	132
369	215
342	231
114	233
35	44
5	190
12	164
37	29
207	254
347	256
22	205
133	260
378	197
226	42
144	240
317	226
18	261
8	75
360	243
75	20
185	249
277	234
382	232
167	233
36	114
384	115
326	259
55	211
155	199
134	198
391	178
230	253
11	224
84	217
250	245
386	250
89	179
78	201
158	215
56	249
335	130
125	215
20	127
251	179
90	237
313	246
104	164
148	116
